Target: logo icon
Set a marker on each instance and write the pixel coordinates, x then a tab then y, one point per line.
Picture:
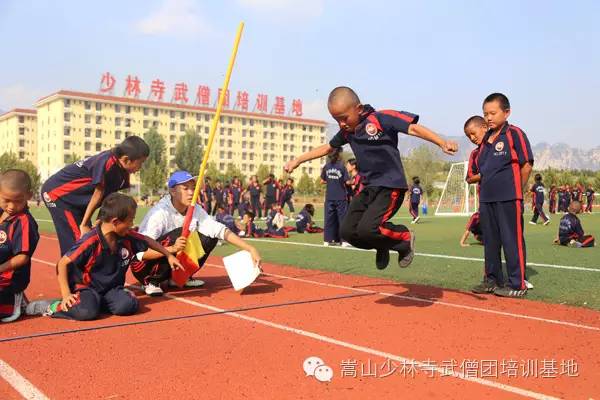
315	366
499	146
3	237
371	129
46	197
124	253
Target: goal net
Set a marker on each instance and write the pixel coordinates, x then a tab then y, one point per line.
458	197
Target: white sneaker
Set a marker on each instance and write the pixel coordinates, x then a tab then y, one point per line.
153	290
528	285
346	244
325	243
39	307
17	309
547	222
412	222
532	223
191	283
417	219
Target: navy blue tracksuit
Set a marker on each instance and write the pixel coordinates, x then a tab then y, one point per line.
415	198
67	193
374	142
538	202
336	199
97	275
501	204
570	229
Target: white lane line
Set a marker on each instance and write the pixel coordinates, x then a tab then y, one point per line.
569	267
430	301
533	264
368	350
19	383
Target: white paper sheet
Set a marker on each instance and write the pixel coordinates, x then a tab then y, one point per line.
241	269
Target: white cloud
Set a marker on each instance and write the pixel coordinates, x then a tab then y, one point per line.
174	18
18	95
286	8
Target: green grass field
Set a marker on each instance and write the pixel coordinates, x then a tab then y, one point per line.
440	236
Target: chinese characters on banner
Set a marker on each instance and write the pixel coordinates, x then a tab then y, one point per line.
157	92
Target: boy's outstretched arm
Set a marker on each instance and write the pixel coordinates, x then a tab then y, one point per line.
14	263
447	146
463	239
309	155
235	240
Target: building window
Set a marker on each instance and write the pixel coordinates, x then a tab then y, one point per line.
21	155
21	142
285	158
285	136
285	147
292	137
265	123
252	133
67	103
155	112
67	117
265	145
243	144
272	146
229	155
229	143
244	167
117	108
98	133
67	131
272	124
88	132
172	151
292	126
304	127
118	135
155	124
146	111
88	105
171	114
198	117
251	145
251	122
265	135
221	154
292	147
182	115
98	106
222	142
21	131
222	167
87	146
310	170
98	119
244	155
88	119
251	167
98	146
206	117
244	133
272	135
172	139
229	131
117	121
230	120
181	127
206	130
146	122
67	145
127	123
285	125
244	121
127	109
272	157
172	126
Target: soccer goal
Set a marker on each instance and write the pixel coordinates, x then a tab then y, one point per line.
458	197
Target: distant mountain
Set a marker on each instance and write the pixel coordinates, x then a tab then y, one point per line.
559	155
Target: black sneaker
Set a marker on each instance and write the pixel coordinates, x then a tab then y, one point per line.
407	259
510	292
382	259
485	287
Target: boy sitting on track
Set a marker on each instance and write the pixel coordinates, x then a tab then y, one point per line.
18	240
473	227
304	221
91	275
373	136
570	232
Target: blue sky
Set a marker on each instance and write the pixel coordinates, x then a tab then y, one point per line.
435	58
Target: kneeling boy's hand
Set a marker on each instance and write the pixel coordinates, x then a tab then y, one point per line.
449	147
68	301
174	263
255	257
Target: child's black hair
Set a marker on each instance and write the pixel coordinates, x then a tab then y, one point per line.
334	156
290	179
117	205
416	180
500	98
352	162
538	177
310	209
250	214
476	120
133	147
16	179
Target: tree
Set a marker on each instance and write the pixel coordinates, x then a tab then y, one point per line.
154	171
263	172
234	170
188	152
71	158
318	187
10	161
305	184
424	163
213	172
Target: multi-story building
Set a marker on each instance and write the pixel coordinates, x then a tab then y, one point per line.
82	124
18	133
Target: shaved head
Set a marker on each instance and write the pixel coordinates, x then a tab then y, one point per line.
16	180
343	96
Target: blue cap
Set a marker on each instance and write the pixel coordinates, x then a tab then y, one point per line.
179	177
